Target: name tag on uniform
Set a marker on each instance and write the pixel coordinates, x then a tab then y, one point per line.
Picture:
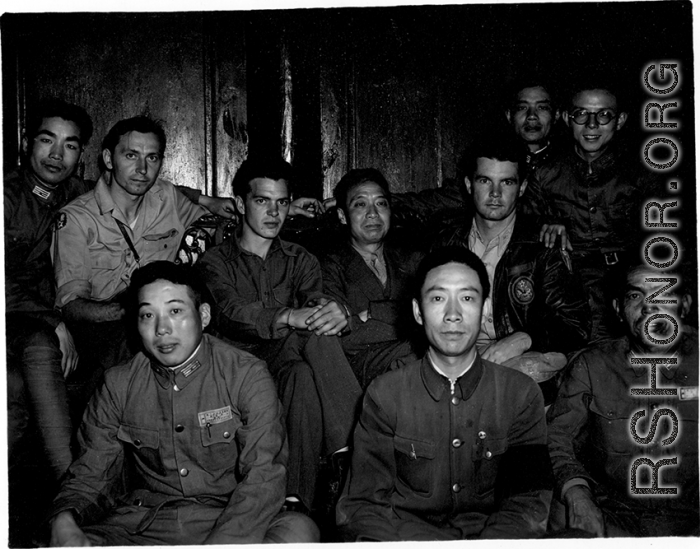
688	393
215	416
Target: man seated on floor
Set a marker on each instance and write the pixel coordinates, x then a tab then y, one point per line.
452	446
598	429
536	311
268	299
40	348
131	218
371	277
197	424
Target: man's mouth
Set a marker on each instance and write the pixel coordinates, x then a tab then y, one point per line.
591	138
532	129
53	168
166	348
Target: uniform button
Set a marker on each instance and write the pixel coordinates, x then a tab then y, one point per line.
456	443
137	442
179	428
489	455
610	413
176	388
593	210
227	434
456	488
482	435
184	472
138	502
490	320
455	401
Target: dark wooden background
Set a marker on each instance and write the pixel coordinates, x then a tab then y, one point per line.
403	89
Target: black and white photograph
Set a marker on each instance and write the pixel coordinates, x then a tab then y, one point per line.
330	272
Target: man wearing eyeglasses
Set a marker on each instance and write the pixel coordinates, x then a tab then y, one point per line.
598	189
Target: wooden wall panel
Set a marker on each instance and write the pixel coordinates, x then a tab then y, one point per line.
184	69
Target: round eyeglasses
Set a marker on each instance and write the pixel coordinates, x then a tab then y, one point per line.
582	116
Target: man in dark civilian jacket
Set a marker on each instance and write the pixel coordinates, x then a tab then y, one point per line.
371	277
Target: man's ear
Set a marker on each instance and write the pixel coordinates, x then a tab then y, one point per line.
25	144
341	216
686	302
523	186
468	184
509	116
616	306
416	312
621	119
240	204
107	158
205	314
557	115
565	116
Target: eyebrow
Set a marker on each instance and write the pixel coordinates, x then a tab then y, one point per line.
51	134
146	303
630	288
463	289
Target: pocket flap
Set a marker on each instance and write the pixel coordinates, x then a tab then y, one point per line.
138	437
414	448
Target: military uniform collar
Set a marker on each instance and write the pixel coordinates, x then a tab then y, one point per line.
438	385
179	377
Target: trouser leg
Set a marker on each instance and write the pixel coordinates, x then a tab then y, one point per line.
37	382
46	388
338	389
304	420
292	528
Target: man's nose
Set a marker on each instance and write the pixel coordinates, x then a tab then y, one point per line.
56	151
532	112
496	190
372	211
453	312
162	325
649	308
141	166
273	209
592	121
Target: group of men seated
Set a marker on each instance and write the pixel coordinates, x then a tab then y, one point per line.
451	391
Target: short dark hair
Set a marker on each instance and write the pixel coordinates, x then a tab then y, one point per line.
451	254
618	275
503	146
57	108
354	178
599	81
141	124
530	80
184	275
269	167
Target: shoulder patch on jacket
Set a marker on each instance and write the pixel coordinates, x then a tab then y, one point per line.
60	221
522	290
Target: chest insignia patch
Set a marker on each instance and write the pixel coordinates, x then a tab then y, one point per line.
522	290
61	221
41	193
688	393
214	416
187	371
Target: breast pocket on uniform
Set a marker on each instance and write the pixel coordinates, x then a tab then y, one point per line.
217	429
414	463
486	454
144	445
166	243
